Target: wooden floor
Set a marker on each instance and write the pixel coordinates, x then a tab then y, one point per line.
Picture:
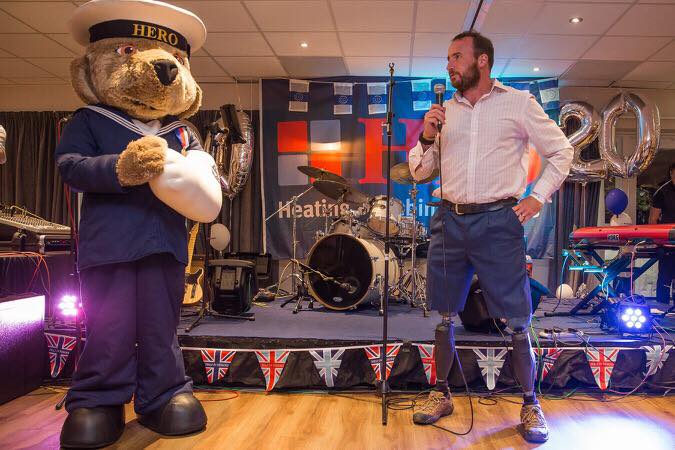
353	421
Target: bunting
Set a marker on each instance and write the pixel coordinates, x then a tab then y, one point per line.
373	353
327	362
601	361
656	357
272	363
547	356
490	361
59	347
428	356
216	363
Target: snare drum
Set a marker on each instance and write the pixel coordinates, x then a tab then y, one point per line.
406	229
353	262
377	216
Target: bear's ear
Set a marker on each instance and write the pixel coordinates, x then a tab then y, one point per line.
79	77
194	107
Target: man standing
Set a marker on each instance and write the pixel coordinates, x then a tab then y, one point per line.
482	153
663	211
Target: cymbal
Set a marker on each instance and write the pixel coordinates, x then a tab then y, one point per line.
321	174
400	173
340	192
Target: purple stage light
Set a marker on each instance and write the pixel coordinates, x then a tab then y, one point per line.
69	306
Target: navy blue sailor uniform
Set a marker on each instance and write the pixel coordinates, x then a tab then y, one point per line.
132	254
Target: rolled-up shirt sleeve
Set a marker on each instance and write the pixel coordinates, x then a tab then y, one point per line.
551	143
422	163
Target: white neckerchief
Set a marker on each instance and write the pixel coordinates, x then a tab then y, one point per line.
136	126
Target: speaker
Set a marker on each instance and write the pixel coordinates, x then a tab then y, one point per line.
266	272
476	317
234	284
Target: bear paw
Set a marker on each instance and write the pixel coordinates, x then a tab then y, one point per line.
141	161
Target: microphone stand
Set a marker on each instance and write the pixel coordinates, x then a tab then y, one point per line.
384	387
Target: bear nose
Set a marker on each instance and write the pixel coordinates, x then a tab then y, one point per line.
166	71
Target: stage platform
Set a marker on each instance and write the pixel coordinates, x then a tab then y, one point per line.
332	350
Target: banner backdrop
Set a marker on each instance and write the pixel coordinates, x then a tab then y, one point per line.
338	126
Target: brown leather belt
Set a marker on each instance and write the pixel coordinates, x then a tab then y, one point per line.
475	208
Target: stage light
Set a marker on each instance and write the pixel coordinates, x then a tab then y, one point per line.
633	318
69	306
576	19
304	44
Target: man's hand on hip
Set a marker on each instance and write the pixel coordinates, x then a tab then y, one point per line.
527	208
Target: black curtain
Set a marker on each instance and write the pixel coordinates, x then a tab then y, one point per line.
29	177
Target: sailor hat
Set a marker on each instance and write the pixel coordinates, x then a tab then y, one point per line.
148	19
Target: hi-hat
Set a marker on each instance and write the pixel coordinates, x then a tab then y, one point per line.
321	174
341	192
400	173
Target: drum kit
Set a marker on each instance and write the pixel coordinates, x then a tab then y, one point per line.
345	266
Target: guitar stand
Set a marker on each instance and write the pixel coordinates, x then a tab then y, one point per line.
301	295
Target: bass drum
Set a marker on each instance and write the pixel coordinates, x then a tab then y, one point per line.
353	261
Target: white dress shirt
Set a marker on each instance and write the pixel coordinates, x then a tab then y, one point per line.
485	148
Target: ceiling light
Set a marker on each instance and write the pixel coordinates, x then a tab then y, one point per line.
536	69
576	19
304	44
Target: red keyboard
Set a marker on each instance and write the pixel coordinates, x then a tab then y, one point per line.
662	234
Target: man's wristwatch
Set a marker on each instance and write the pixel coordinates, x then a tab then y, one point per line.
425	141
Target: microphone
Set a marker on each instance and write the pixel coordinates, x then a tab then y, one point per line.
439	90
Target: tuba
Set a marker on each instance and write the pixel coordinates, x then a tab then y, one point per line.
230	139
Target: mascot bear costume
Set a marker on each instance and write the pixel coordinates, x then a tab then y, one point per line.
141	171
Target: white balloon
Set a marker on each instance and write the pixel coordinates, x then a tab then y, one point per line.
621	219
564	291
220	236
189	185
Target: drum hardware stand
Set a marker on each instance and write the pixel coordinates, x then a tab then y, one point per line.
417	279
294	275
302	293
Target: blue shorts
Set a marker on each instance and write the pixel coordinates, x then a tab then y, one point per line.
490	244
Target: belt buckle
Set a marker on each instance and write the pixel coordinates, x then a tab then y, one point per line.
457	210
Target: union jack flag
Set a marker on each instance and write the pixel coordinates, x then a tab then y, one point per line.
327	362
548	356
216	362
602	362
59	347
272	363
656	356
374	356
428	356
183	136
490	363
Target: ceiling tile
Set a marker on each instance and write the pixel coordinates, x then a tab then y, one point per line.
377	66
584	83
600	70
220	15
252	67
59	67
665	54
46	17
67	41
547	67
313	66
387	16
633	48
319	43
236	44
32	45
18	68
435	67
9	24
510	17
642	84
38	80
374	44
506	45
646	20
205	66
545	46
441	16
554	18
432	44
653	71
201	80
291	15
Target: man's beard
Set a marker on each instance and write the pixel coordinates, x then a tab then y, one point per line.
467	80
